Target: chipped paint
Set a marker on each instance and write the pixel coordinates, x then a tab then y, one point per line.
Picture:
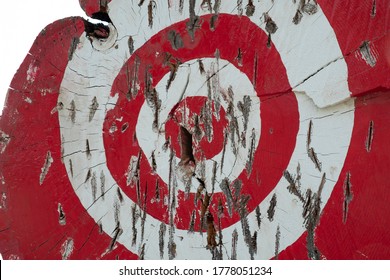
373	9
67	248
32	72
61	215
368	53
3	201
4	141
169	139
46	167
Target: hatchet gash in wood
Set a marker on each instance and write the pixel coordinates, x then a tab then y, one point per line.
200	130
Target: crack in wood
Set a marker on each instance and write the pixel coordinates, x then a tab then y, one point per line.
370	136
347	196
100	228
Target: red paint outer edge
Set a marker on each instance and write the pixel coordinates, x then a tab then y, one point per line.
29	227
370	24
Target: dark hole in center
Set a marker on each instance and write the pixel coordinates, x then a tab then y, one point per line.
98	30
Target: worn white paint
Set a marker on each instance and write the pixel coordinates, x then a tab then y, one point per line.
304	51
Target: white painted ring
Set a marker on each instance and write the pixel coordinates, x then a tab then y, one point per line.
86	84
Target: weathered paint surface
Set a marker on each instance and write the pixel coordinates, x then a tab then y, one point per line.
201	130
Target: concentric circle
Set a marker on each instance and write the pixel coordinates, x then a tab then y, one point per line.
242	134
141	154
117	178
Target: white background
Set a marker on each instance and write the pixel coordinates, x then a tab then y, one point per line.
22	20
281	270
